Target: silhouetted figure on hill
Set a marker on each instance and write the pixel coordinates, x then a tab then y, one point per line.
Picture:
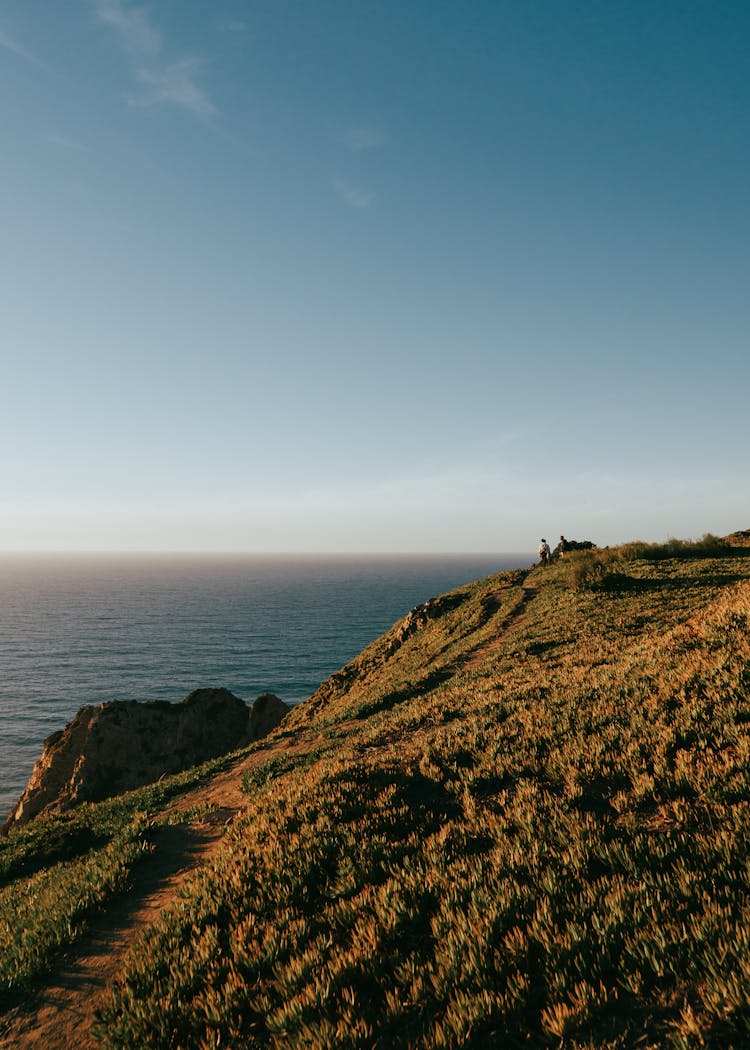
544	552
562	546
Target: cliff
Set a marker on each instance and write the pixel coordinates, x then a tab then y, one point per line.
518	818
117	746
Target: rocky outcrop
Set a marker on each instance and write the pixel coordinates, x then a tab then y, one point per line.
265	714
370	661
419	617
121	745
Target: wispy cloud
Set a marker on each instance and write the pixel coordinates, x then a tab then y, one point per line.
175	83
138	36
232	27
160	80
354	196
11	44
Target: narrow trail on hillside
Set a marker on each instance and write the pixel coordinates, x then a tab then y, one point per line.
60	1011
477	656
472	657
59	1014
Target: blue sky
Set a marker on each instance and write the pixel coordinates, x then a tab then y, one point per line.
381	276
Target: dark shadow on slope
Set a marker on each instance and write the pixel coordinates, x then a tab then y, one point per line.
59	844
537	648
616	583
407	692
428	802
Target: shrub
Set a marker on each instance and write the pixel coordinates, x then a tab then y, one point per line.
596	570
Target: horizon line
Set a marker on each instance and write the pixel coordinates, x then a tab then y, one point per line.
31	552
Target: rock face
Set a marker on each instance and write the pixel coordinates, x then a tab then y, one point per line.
121	745
420	616
265	714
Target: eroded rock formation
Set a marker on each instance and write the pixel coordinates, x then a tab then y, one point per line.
121	745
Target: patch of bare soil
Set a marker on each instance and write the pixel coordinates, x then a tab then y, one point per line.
59	1012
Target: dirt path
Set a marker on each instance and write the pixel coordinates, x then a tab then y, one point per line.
477	656
59	1015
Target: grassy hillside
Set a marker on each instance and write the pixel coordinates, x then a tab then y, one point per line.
520	818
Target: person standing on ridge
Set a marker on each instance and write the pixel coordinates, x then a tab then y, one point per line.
544	552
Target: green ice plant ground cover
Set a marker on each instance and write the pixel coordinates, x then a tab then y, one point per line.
528	825
58	872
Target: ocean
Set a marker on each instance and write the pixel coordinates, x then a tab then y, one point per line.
82	629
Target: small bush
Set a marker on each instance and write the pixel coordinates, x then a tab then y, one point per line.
596	570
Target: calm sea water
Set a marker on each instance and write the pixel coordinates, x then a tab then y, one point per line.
82	629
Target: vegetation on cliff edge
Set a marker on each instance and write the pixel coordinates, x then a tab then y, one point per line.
522	819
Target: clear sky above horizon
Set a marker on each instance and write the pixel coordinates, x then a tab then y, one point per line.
372	276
